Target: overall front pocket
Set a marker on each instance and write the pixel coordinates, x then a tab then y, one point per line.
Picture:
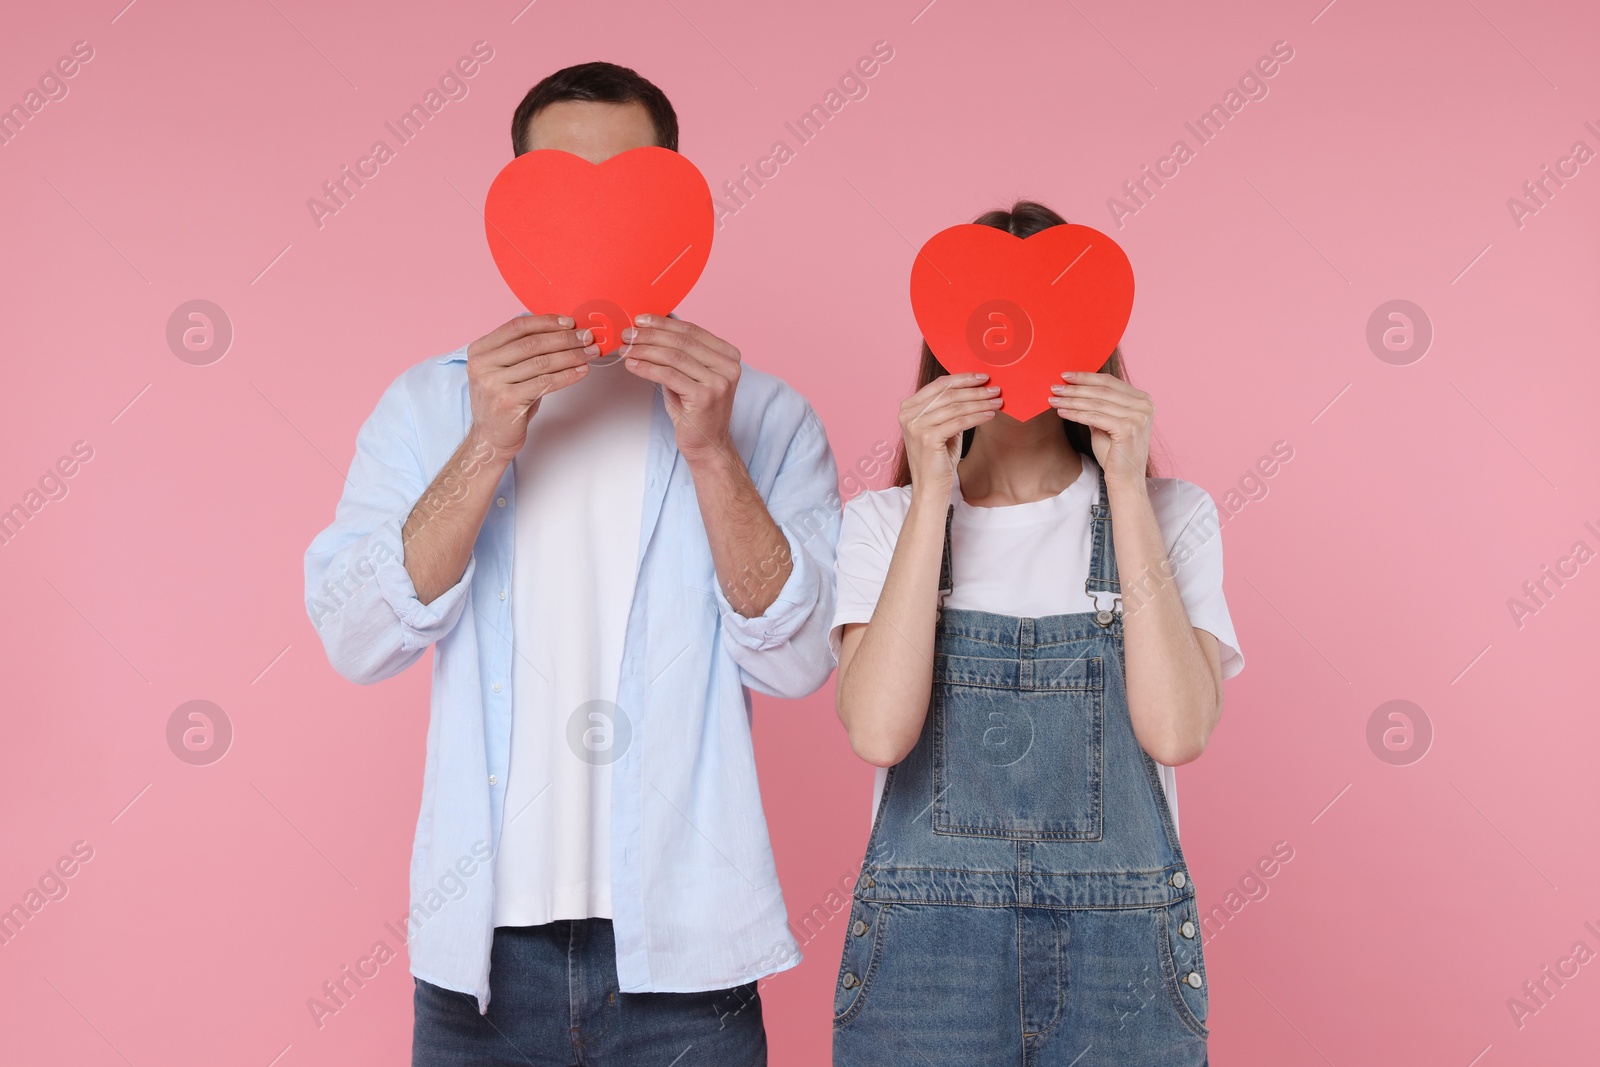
1018	747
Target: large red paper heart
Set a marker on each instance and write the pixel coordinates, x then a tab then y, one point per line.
600	243
1022	310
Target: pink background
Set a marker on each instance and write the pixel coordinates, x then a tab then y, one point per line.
1378	565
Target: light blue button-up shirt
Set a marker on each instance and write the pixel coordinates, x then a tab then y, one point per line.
694	889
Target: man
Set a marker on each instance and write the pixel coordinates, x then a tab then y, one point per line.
609	552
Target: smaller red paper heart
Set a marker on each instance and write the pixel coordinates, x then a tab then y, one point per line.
1023	310
601	243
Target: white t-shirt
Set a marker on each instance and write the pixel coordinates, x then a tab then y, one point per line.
1031	560
579	497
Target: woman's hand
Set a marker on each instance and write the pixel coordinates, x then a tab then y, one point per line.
932	420
1119	418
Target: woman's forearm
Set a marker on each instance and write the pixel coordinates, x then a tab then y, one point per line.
1173	696
886	668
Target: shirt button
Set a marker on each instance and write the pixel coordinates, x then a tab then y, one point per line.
493	779
495	687
1193	978
1187	929
859	928
850	980
502	594
1180	880
500	502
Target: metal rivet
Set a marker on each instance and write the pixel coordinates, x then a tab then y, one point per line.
1187	929
859	928
1103	617
1180	880
1193	978
850	980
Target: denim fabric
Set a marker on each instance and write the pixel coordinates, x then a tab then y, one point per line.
555	1003
1024	898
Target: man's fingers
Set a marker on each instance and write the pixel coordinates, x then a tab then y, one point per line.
541	385
521	326
681	351
540	344
547	363
689	331
684	363
669	377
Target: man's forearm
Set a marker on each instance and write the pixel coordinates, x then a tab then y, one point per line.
443	526
749	550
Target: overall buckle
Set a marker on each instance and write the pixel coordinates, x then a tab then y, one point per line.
1103	616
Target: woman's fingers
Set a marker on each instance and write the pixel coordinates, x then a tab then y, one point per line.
940	432
1096	419
919	408
1101	406
922	397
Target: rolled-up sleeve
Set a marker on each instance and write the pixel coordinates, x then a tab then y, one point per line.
359	595
784	651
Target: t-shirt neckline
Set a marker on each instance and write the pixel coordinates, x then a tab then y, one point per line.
1080	494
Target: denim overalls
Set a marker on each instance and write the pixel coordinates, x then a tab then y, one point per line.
1023	899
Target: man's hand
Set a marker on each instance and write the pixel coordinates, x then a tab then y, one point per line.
699	373
508	371
512	368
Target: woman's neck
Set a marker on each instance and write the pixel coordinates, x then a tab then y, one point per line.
1014	462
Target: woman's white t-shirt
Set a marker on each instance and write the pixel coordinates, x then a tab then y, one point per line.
1032	559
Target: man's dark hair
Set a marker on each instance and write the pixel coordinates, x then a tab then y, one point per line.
606	83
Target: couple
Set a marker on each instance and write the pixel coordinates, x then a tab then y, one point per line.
608	570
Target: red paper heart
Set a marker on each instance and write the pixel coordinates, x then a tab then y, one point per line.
600	243
1022	310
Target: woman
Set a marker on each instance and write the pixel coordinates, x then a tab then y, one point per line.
1024	898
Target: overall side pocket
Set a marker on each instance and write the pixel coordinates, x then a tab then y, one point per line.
1183	963
863	954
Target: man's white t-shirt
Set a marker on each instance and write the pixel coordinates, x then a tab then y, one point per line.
1031	560
579	497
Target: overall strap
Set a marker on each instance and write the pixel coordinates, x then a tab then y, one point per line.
945	581
1103	561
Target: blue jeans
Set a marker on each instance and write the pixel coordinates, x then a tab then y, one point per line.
554	1002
